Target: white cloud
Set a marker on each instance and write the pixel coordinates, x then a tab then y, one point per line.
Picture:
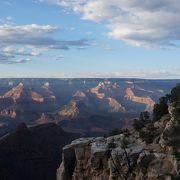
148	23
32	40
145	74
7	49
35	35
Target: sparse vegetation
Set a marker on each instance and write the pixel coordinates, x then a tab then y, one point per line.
119	131
175	94
140	123
111	145
161	108
177	155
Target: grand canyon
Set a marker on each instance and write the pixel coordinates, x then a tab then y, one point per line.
89	90
86	106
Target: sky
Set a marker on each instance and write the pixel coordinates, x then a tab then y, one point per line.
90	38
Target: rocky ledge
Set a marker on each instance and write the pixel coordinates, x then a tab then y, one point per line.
116	157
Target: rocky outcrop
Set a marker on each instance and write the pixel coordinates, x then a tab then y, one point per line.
46	86
70	111
170	135
79	95
37	97
110	158
115	106
44	119
95	90
151	153
14	93
102	88
8	113
142	100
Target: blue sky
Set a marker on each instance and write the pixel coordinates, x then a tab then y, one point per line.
66	38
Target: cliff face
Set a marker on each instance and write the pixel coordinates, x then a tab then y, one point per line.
8	113
100	158
37	97
114	105
142	100
14	93
70	111
125	157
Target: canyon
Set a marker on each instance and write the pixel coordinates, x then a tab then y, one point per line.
90	106
127	156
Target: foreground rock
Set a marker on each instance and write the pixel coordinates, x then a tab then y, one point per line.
127	156
106	158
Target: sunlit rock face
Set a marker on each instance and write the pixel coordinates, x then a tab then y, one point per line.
14	93
142	100
100	105
8	113
115	106
46	86
37	97
70	111
79	95
95	90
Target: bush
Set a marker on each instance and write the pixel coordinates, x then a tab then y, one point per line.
177	155
161	108
115	132
138	125
111	145
119	131
144	118
149	134
175	94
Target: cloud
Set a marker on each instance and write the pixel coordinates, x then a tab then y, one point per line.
148	23
11	59
37	38
35	35
144	74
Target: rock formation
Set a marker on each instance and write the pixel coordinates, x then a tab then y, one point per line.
95	90
14	93
114	105
142	100
36	97
151	153
70	111
46	86
100	158
79	95
8	113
